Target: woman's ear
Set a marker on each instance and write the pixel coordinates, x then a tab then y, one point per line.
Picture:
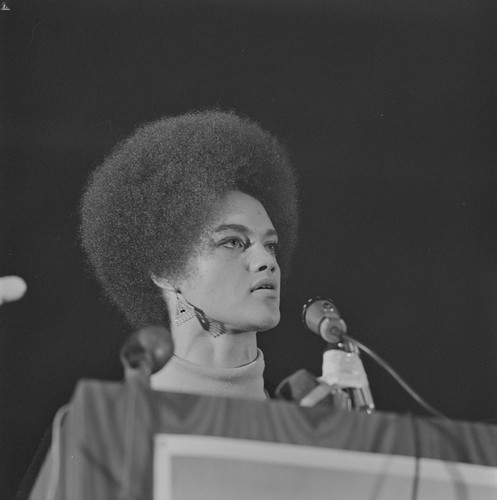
162	282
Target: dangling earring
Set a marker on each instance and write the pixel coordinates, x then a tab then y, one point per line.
215	328
184	311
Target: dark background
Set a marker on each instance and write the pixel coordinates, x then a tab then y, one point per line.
388	109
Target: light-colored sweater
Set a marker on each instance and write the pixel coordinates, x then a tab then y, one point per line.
244	381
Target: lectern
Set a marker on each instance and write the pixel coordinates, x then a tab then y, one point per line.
125	441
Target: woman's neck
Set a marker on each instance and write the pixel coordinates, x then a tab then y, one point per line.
194	344
217	347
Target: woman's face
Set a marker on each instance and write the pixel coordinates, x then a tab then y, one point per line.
235	278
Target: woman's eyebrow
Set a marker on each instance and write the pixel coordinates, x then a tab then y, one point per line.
271	232
232	227
242	229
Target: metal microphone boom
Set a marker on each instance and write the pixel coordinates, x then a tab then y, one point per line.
342	368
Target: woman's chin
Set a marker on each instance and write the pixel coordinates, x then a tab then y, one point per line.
267	323
261	324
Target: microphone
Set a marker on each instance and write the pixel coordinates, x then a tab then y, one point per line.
322	317
145	352
343	371
12	288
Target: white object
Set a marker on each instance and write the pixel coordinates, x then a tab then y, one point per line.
12	288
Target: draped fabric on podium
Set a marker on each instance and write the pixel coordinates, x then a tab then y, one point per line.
108	433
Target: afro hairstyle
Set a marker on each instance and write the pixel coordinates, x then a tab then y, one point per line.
145	208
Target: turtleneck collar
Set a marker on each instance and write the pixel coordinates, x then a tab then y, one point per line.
244	381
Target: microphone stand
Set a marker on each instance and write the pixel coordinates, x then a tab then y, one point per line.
344	380
344	377
362	399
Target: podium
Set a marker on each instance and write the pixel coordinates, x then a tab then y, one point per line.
127	442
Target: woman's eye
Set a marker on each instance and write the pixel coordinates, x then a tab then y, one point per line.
233	243
273	247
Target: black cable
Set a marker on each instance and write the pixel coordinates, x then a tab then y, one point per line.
397	377
417	458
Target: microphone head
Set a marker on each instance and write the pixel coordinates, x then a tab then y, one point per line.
11	288
147	350
321	316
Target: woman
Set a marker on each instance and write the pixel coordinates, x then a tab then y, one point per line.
190	223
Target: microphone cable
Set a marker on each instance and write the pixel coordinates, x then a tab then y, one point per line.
417	457
396	376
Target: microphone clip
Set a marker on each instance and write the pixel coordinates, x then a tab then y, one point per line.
343	372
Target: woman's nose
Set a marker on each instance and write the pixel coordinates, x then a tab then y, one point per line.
262	259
